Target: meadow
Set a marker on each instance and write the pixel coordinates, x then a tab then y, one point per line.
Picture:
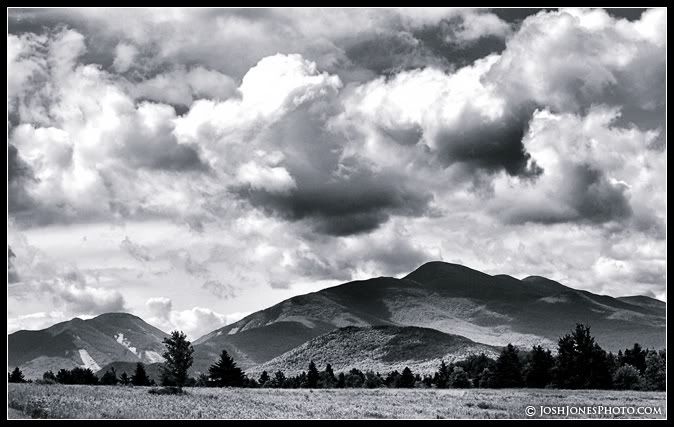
79	401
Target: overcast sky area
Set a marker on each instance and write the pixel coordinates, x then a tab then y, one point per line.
192	166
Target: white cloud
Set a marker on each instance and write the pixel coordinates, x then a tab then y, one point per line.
125	54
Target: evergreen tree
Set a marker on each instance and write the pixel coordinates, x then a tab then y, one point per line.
327	378
124	379
406	378
459	378
312	376
109	378
140	378
178	359
508	369
16	376
428	381
487	379
538	372
264	379
655	374
225	373
441	378
279	380
392	379
581	362
635	356
341	380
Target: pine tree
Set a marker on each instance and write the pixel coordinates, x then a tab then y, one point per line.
16	376
312	376
225	373
655	374
508	369
109	378
140	378
341	380
124	379
264	379
538	372
441	378
279	380
636	356
178	359
327	378
372	380
406	378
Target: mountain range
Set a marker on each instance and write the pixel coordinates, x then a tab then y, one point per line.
439	311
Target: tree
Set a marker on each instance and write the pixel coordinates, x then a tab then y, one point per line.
538	372
140	377
373	380
635	356
459	378
178	359
354	379
508	368
16	376
109	377
49	377
279	380
655	374
264	379
487	379
225	373
312	376
341	380
406	378
327	378
627	377
124	379
441	377
581	362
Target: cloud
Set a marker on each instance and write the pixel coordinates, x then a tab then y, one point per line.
137	251
125	54
195	322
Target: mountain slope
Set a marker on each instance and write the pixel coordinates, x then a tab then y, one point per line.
90	343
378	348
450	298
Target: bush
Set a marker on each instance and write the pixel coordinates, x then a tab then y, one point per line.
627	377
167	390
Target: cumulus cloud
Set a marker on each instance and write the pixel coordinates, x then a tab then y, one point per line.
195	322
359	142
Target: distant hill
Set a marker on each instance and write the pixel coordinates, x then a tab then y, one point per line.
377	348
91	343
450	298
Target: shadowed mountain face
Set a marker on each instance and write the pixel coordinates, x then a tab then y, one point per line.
450	298
377	348
89	343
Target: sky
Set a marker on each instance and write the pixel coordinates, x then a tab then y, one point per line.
191	166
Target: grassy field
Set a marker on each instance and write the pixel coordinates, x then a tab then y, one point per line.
60	401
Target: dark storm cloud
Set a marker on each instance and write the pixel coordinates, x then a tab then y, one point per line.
358	203
170	157
19	175
491	147
586	196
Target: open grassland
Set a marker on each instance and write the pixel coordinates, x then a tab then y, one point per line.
73	401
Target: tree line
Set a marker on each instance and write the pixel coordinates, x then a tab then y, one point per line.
580	363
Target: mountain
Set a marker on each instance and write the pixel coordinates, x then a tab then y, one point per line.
377	348
450	298
90	343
